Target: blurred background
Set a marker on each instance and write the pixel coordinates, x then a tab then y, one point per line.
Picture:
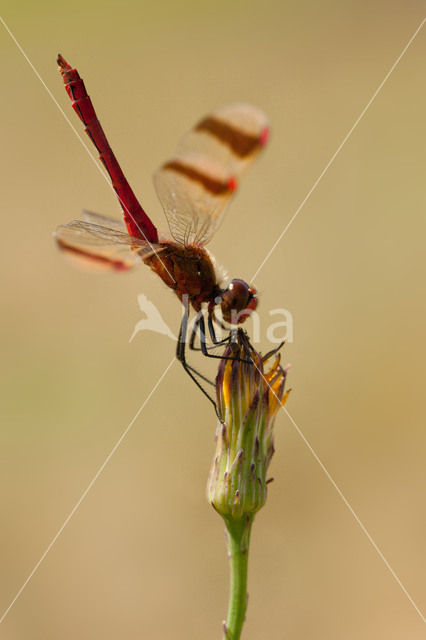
144	555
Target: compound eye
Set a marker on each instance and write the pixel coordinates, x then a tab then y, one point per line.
238	294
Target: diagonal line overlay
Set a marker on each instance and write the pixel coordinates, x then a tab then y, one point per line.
339	148
83	143
88	488
125	432
343	497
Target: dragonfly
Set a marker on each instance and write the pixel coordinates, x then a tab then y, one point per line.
194	187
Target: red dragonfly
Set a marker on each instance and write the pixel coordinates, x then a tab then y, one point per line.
194	188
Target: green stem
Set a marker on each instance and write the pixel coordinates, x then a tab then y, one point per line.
238	550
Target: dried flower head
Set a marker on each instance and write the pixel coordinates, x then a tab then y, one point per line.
249	394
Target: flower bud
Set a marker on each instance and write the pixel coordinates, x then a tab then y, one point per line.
249	395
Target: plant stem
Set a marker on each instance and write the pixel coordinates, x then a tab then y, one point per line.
238	550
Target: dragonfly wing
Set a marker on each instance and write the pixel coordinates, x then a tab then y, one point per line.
96	246
194	190
196	185
104	221
233	134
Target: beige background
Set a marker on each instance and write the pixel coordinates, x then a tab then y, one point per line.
144	555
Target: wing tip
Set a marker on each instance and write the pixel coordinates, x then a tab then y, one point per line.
264	136
232	184
89	261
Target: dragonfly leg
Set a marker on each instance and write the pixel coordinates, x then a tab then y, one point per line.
219	322
212	355
181	356
211	318
196	328
200	375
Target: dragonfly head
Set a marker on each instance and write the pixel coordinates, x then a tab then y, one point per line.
238	301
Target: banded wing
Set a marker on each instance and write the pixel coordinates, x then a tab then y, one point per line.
102	247
196	185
